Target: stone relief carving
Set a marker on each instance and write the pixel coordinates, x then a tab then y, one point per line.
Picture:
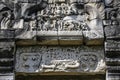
25	16
75	15
112	3
6	16
111	45
101	66
29	61
29	19
69	16
112	29
94	23
87	61
7	47
72	18
60	65
20	15
59	59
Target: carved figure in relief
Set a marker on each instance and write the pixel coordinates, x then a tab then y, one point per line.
4	47
61	65
25	12
87	17
58	11
20	14
46	25
70	25
75	16
60	59
101	67
50	25
6	16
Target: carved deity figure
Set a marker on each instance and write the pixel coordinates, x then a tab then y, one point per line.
47	25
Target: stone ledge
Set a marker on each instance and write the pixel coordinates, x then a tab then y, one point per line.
94	37
7	34
112	45
61	73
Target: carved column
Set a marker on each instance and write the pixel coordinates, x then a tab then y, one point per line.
7	50
112	33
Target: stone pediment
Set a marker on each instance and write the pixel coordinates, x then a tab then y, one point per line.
66	21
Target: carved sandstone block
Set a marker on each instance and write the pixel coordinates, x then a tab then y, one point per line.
7	34
26	35
112	45
7	47
112	32
70	37
7	77
47	37
59	59
94	37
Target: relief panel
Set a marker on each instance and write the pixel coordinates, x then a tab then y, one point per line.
60	59
54	21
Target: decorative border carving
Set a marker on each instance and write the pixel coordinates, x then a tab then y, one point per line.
59	59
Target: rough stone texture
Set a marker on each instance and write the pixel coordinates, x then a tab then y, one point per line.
7	50
8	77
60	59
112	34
64	36
29	20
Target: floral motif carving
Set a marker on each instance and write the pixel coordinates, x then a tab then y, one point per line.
57	59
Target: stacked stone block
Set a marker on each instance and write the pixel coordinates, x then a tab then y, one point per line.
112	41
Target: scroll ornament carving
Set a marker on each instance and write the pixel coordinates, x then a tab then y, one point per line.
94	21
88	61
58	60
76	16
6	19
60	65
19	15
26	17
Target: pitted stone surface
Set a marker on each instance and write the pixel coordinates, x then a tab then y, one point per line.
60	59
60	36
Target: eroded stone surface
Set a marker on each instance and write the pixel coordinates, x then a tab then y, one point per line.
30	20
60	59
33	24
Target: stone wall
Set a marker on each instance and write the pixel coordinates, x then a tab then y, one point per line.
63	37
